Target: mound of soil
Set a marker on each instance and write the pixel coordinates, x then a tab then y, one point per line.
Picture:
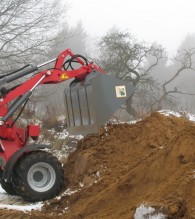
151	162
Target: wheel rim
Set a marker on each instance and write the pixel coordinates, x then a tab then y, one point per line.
41	177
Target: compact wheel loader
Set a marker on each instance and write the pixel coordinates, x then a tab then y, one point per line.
26	169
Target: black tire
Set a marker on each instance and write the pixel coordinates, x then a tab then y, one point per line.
8	187
38	176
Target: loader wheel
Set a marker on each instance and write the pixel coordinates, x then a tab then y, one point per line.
38	176
8	187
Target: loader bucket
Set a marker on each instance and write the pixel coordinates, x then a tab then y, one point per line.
90	104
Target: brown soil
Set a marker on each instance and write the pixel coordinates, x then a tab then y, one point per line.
151	162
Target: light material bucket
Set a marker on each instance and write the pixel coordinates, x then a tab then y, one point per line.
89	105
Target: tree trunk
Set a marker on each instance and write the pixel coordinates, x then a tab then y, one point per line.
130	109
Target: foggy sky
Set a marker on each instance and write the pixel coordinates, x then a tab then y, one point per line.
166	22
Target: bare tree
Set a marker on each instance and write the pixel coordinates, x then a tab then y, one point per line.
26	28
184	58
127	59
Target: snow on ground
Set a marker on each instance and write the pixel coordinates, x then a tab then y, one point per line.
117	121
144	211
170	113
187	115
67	192
191	117
17	203
61	135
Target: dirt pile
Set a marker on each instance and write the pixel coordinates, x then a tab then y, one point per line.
151	162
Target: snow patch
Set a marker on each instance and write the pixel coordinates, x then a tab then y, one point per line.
16	203
170	113
24	208
116	121
191	117
61	135
184	114
78	137
81	184
69	192
143	212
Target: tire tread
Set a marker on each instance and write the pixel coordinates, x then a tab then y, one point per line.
19	179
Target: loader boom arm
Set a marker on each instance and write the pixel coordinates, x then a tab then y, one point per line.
50	76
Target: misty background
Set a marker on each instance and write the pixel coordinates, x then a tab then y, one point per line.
148	43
